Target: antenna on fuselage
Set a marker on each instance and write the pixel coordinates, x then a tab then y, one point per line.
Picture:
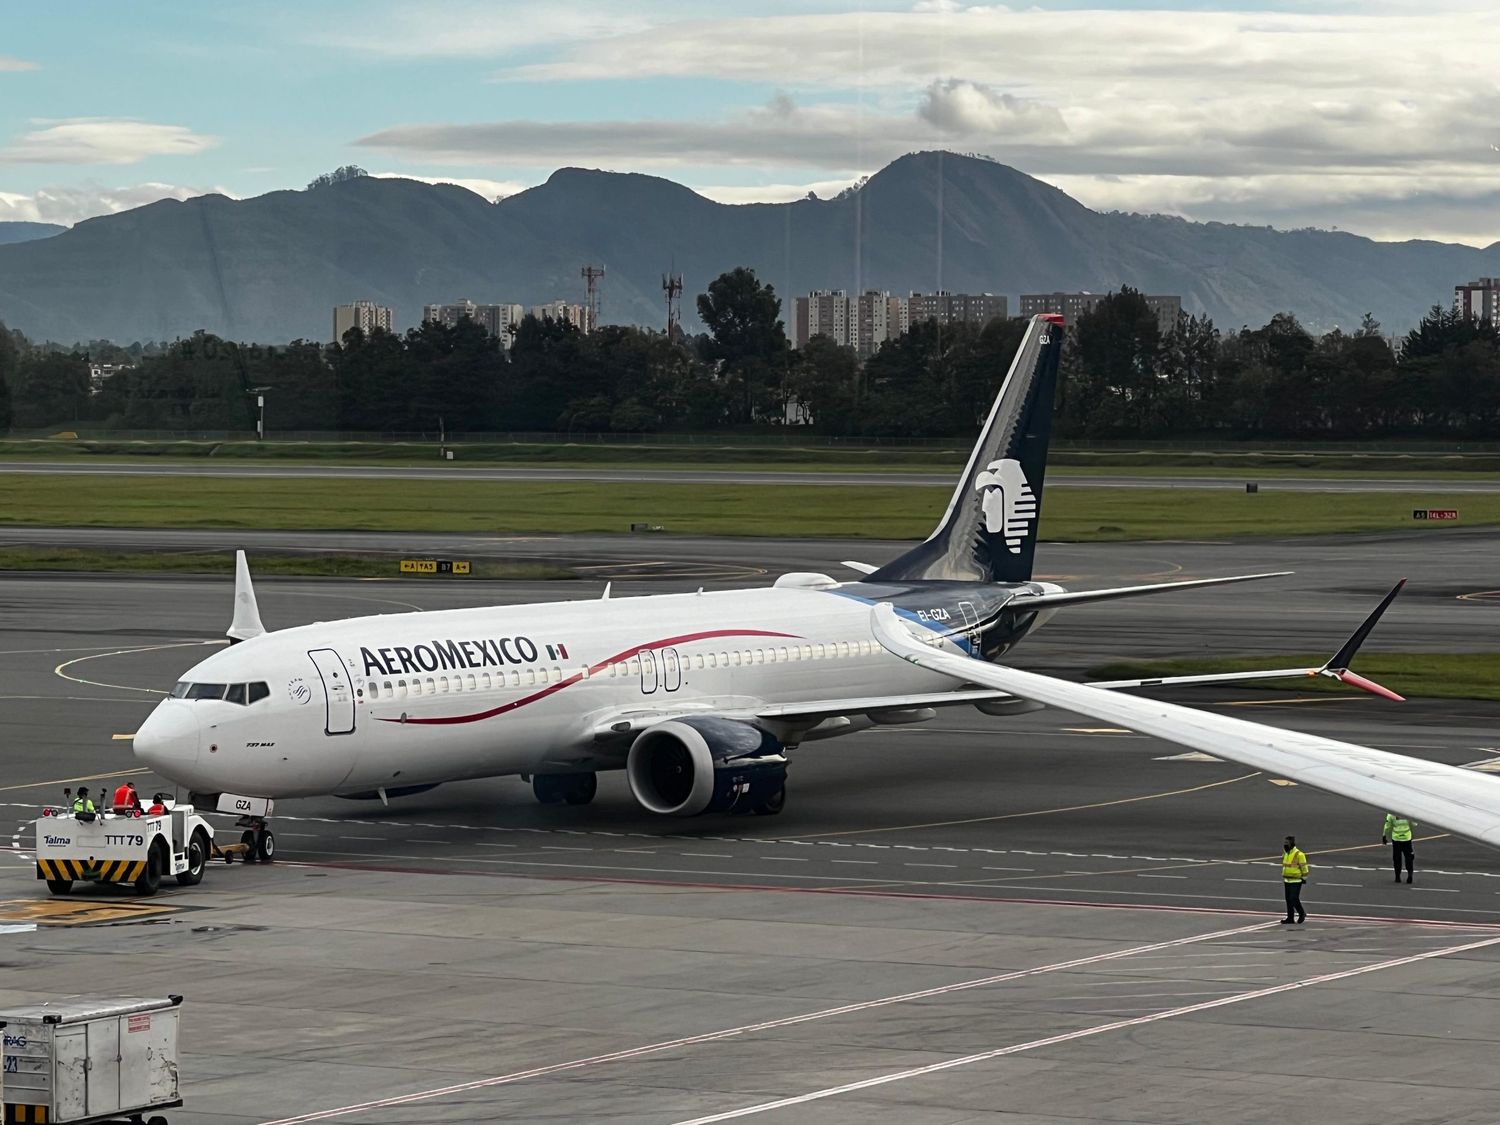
607	586
246	623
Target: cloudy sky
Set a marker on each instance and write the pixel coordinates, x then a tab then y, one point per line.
1377	117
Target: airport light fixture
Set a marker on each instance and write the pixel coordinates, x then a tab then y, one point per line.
260	404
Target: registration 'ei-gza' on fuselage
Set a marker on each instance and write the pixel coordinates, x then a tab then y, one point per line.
697	696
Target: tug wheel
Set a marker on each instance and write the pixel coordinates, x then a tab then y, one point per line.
197	860
156	866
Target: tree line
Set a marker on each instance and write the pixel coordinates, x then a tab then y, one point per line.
1123	378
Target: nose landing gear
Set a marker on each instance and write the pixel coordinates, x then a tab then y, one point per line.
257	842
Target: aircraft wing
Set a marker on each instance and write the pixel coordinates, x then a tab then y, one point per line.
1444	796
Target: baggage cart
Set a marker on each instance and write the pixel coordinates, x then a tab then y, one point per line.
87	1059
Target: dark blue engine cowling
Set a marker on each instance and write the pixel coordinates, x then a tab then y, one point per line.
699	764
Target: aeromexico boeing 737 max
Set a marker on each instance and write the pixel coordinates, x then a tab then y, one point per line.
698	697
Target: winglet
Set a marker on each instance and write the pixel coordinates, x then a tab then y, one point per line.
246	622
1337	667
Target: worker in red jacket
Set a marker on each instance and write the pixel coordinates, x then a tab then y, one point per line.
126	800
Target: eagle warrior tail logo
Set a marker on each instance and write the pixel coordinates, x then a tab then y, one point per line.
1010	507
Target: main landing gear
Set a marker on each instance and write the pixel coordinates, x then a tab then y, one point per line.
557	788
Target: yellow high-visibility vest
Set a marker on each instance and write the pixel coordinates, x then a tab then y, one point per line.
1294	866
1398	828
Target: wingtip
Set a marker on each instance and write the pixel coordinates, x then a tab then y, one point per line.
1354	679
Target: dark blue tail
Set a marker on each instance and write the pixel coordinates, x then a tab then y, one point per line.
989	532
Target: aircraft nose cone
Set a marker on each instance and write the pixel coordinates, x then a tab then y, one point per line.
167	741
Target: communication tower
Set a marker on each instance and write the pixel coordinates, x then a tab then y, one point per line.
671	285
591	276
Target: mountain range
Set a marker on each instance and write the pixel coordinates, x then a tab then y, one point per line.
25	232
271	268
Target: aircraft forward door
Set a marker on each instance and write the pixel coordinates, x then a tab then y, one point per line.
337	694
648	673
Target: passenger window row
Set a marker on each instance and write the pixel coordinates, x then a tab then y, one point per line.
532	677
243	694
470	681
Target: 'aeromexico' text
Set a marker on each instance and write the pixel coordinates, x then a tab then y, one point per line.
457	654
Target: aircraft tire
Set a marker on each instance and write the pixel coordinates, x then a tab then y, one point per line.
772	804
265	847
582	791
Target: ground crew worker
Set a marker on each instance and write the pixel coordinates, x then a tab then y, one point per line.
126	799
158	806
83	807
1398	830
1294	868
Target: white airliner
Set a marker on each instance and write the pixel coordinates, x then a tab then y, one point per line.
698	697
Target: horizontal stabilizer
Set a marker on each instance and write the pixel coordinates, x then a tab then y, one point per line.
1025	603
862	568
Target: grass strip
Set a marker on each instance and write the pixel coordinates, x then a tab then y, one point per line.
302	566
1472	675
563	507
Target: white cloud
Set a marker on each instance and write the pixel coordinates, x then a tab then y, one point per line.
7	63
837	137
1385	104
102	140
963	108
490	189
472	30
73	204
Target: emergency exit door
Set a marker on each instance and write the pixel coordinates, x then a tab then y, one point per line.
338	696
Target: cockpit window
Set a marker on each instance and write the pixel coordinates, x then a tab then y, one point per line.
241	694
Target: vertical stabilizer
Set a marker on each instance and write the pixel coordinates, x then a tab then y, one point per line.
988	533
246	622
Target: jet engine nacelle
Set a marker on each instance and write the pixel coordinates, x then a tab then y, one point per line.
696	765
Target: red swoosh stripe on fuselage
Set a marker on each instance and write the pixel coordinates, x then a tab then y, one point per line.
551	689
